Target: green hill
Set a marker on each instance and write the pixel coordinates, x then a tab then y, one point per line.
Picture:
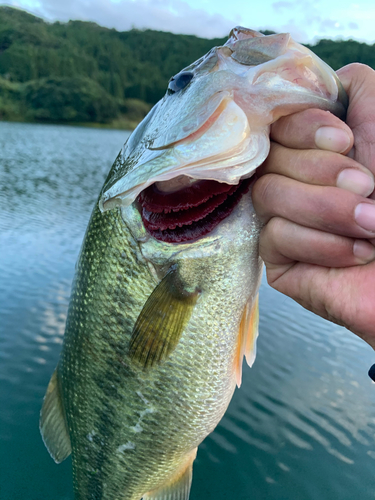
79	72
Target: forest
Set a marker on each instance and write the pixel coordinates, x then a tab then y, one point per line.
82	73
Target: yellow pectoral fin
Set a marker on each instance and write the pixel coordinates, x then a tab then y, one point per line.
248	333
178	487
161	322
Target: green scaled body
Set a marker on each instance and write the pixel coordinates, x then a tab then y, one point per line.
132	428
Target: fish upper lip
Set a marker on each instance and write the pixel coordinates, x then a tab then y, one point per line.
114	195
210	120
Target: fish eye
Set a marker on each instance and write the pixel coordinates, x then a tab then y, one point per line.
179	81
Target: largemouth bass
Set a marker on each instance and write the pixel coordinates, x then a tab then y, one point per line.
164	302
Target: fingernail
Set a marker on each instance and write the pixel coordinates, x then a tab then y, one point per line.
356	181
364	215
332	139
363	250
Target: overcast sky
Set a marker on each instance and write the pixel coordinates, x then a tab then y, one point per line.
306	20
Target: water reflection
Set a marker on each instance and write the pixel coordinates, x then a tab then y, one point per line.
301	426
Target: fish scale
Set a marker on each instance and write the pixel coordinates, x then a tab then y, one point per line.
156	331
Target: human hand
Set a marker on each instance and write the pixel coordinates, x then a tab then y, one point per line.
319	235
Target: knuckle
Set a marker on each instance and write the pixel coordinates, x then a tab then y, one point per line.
264	191
314	115
270	236
276	227
287	129
362	71
272	162
267	243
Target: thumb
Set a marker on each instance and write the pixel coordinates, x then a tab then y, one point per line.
359	83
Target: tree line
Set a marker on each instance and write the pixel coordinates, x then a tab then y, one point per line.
80	72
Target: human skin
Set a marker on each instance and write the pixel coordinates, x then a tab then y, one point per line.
316	197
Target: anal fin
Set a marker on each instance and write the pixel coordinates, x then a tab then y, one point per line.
247	335
52	424
178	487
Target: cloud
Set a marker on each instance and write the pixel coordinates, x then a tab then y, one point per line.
310	20
306	20
283	5
303	16
353	26
295	29
330	25
165	15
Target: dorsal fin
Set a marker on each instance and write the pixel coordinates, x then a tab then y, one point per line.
52	424
247	336
178	487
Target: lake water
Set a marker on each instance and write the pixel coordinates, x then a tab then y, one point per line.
300	428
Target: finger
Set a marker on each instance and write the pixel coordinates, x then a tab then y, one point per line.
344	296
359	82
322	168
282	243
313	129
325	208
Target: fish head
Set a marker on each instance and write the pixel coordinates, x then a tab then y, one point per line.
213	122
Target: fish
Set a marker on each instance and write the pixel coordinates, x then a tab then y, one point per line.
164	303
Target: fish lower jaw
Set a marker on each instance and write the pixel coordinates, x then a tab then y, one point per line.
187	214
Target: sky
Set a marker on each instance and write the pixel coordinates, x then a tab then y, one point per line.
307	20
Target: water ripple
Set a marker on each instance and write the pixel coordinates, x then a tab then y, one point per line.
302	425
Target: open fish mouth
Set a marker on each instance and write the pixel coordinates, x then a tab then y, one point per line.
188	213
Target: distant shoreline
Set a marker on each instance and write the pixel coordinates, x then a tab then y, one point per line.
127	125
80	73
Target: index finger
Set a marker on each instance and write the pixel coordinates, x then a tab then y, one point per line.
359	82
313	129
